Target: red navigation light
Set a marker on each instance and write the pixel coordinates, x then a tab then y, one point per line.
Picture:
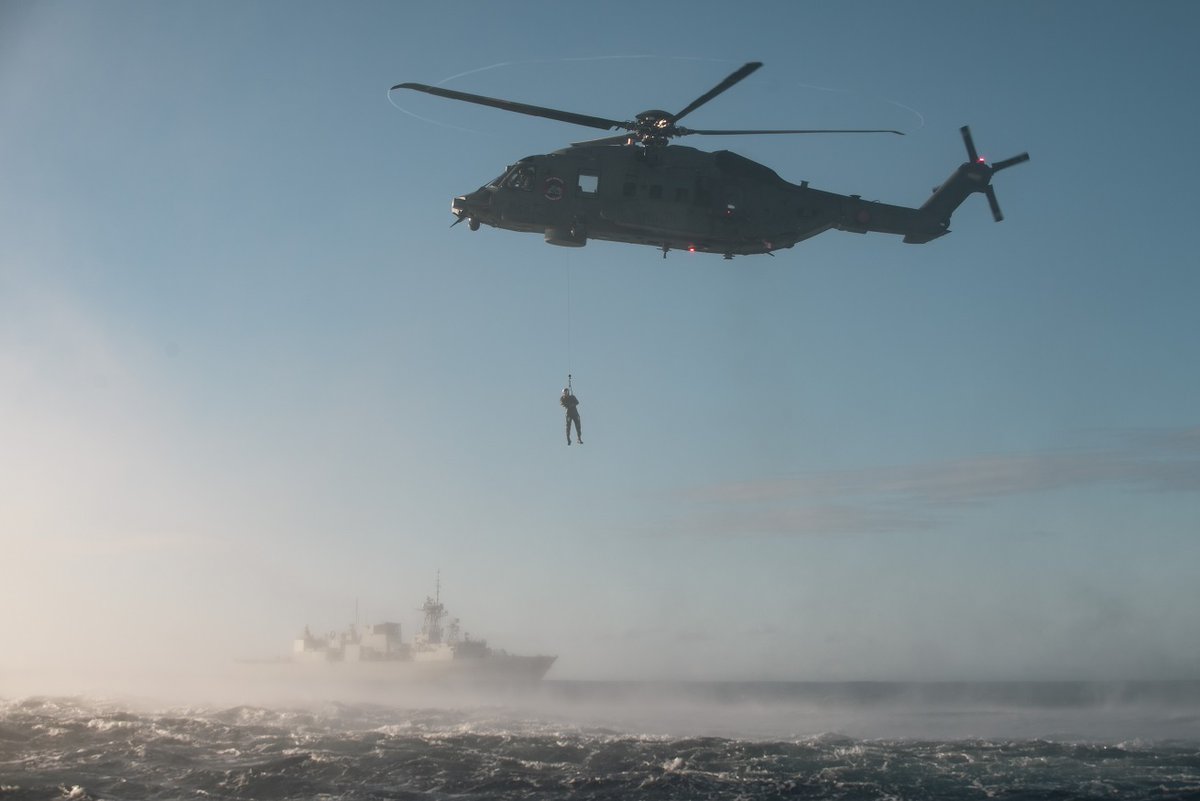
691	248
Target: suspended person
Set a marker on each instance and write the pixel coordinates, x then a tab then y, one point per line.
571	403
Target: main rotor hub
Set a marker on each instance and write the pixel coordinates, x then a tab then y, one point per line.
656	117
655	127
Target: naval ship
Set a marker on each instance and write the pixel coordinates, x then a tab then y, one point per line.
437	653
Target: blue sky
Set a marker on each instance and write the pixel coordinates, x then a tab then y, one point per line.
249	375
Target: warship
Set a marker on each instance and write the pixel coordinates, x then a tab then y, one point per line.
438	652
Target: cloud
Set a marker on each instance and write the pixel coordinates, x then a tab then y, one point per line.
920	496
750	519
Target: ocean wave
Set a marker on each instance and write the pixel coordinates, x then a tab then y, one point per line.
81	749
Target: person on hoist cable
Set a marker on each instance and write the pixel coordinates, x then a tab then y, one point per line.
571	403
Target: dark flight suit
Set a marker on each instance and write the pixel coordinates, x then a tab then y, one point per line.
571	404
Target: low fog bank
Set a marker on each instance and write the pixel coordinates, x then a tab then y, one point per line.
277	685
1083	710
1048	694
1079	710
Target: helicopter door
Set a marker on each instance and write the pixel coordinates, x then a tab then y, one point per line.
585	211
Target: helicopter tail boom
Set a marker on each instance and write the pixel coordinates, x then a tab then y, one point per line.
932	219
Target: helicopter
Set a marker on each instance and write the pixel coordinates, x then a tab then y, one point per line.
636	187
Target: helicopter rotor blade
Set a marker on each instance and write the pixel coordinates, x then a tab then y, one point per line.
1004	165
734	77
519	108
972	155
997	215
620	139
685	131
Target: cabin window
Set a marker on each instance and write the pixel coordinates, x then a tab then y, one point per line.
521	178
656	191
589	182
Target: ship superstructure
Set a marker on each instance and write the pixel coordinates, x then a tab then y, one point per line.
438	650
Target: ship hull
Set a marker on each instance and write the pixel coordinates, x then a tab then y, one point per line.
495	669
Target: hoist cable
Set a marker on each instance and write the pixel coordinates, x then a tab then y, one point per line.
568	323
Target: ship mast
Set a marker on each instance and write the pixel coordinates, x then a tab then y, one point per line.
431	629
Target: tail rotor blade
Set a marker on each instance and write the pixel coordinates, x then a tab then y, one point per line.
972	155
980	172
997	215
1003	165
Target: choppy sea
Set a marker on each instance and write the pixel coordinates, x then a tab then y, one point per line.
581	740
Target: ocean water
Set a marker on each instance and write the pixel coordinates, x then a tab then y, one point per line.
579	740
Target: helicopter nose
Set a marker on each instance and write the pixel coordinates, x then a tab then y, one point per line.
472	204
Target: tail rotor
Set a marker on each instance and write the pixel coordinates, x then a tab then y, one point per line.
982	172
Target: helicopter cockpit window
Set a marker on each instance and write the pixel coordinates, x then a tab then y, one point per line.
520	177
589	182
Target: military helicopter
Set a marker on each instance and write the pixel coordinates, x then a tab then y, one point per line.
638	188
